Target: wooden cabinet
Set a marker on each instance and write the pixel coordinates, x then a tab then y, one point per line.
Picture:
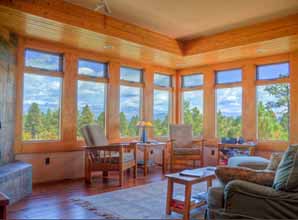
210	155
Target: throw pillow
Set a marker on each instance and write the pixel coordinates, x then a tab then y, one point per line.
275	159
286	178
226	174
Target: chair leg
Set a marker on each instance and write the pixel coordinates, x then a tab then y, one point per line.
135	171
105	174
88	177
121	177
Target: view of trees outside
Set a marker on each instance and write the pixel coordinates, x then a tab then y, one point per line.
193	110
90	104
161	112
130	109
229	112
273	112
41	107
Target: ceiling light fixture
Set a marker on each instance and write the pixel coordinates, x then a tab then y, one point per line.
108	47
102	5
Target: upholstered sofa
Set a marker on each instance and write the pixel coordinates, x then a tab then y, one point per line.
273	197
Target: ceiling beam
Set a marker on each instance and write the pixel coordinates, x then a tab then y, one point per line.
265	31
71	14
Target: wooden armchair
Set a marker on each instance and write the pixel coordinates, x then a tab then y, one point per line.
105	157
4	202
183	147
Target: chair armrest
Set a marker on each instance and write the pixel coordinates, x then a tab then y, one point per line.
4	200
198	143
259	201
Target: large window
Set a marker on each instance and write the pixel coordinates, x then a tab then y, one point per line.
229	103
192	102
130	101
42	96
161	104
91	94
273	102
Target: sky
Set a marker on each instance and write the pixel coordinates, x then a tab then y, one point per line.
46	90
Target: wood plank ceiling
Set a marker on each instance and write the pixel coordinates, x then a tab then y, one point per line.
58	21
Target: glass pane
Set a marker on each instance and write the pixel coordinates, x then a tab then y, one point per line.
273	112
273	71
41	107
91	68
43	60
161	104
162	80
192	80
130	108
130	74
90	104
229	76
193	110
229	112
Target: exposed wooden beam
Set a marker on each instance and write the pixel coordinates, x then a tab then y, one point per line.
70	14
265	31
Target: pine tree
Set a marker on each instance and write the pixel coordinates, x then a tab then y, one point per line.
101	120
123	124
85	117
33	122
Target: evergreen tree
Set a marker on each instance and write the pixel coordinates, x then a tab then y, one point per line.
123	124
85	117
33	122
101	120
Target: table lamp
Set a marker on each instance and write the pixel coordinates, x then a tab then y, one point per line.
144	125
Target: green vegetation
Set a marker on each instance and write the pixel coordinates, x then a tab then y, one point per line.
128	128
194	117
161	127
228	126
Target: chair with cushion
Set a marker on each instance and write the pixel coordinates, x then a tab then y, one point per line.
183	147
257	194
105	157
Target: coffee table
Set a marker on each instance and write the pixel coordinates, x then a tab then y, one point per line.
186	204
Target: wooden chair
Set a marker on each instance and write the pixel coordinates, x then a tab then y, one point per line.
4	202
183	147
105	157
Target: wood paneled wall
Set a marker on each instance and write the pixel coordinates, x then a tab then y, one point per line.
249	109
69	140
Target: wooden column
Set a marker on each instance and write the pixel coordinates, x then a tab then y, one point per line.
112	115
294	98
249	113
147	107
69	100
177	98
209	105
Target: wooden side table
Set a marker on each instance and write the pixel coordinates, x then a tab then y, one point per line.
188	204
147	147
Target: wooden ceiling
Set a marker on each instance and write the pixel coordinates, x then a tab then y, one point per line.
74	26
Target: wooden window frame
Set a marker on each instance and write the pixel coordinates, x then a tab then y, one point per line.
191	87
282	80
86	78
170	89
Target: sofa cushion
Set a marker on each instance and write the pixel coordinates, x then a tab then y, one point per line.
127	157
286	178
226	174
215	197
252	162
275	159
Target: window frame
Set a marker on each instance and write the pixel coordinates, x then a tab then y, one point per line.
43	72
266	82
139	85
191	88
170	89
95	79
227	86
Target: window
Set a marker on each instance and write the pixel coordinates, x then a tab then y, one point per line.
162	80
273	71
193	110
229	112
161	104
41	96
43	60
229	76
91	94
131	74
193	80
92	68
91	104
273	101
130	109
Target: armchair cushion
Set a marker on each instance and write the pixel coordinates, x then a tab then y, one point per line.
94	135
187	151
181	134
226	174
287	172
259	201
127	157
275	159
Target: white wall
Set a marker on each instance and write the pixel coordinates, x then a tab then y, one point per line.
63	165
